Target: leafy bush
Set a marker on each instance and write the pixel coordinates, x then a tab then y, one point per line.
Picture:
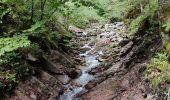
116	9
13	69
82	16
13	43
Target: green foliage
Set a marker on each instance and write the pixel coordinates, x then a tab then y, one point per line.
166	27
36	26
11	65
158	70
7	1
167	46
13	43
80	13
13	60
116	9
8	83
100	5
82	16
3	12
12	70
135	24
150	10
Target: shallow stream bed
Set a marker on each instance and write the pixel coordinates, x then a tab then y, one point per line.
77	86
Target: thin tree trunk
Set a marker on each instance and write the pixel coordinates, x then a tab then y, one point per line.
42	8
32	10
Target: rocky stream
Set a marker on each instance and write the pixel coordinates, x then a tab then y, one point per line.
98	42
106	65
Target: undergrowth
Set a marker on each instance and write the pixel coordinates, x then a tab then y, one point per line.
158	70
149	11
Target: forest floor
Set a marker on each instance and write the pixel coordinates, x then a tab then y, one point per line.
119	76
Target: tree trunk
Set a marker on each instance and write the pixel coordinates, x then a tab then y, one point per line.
32	10
42	8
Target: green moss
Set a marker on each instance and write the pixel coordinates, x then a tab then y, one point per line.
117	9
167	46
166	27
135	24
149	12
156	81
158	70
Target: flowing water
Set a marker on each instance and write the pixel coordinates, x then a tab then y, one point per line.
110	34
72	89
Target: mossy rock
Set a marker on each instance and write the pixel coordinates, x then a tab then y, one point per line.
167	46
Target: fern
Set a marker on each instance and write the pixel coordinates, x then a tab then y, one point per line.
11	44
36	26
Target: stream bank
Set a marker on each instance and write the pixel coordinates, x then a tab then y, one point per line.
98	40
123	61
107	64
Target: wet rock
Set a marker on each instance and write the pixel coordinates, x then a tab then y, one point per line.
79	72
100	59
92	43
33	96
31	57
93	83
79	60
84	39
75	84
126	47
98	70
90	85
103	42
124	42
73	73
80	93
110	26
75	29
84	49
64	79
113	44
142	69
119	24
92	35
105	56
94	71
60	60
93	52
125	83
50	66
107	34
44	76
